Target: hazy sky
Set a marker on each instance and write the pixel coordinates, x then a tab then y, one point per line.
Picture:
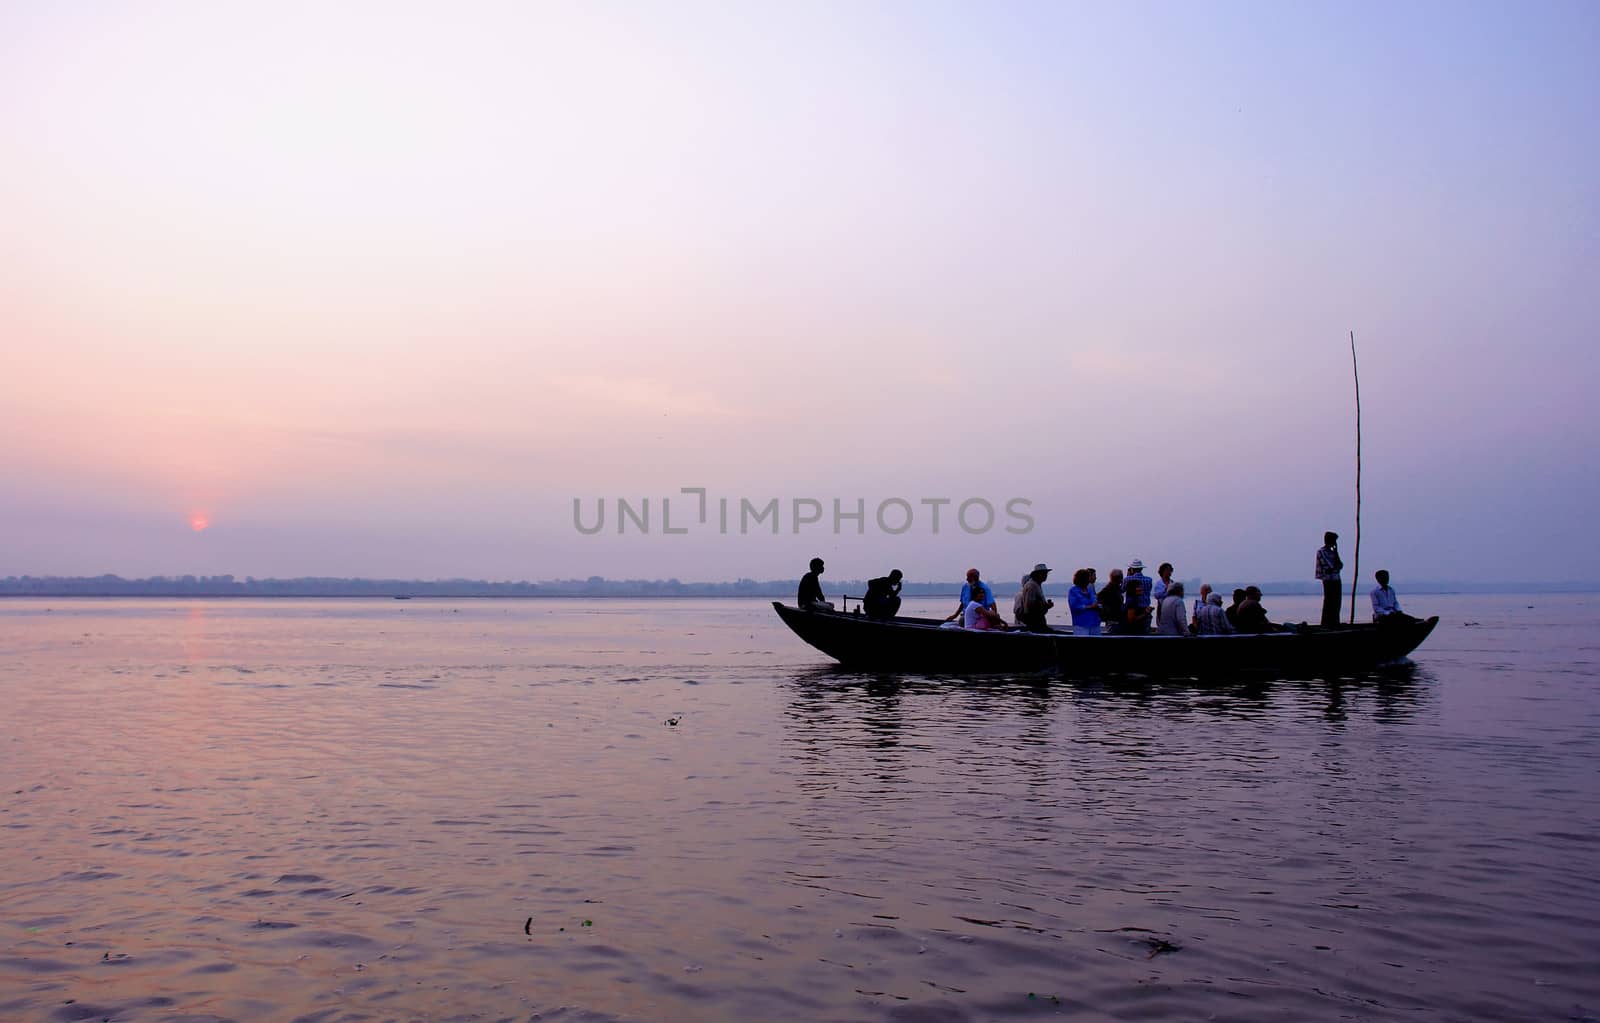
380	289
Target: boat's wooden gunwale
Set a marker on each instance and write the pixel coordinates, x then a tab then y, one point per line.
922	644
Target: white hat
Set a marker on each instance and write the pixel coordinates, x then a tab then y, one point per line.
1136	565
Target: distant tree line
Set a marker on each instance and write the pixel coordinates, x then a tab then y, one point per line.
594	586
323	586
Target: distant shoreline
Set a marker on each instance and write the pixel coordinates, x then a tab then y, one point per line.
720	591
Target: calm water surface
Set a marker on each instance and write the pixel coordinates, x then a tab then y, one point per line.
331	810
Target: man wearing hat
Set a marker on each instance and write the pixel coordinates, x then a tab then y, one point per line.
1328	566
1030	606
1138	590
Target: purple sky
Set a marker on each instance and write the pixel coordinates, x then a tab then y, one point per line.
381	289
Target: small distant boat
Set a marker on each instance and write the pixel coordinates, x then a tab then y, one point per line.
398	596
920	644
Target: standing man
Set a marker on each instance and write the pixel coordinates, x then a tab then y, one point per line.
1137	588
1328	566
1031	605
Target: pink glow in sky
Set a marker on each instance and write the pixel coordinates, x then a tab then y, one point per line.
383	287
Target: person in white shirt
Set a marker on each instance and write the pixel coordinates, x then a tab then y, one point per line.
1162	587
977	615
1385	604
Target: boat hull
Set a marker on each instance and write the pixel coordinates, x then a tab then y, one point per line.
920	645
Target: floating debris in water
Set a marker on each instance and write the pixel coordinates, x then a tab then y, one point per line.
1159	946
673	721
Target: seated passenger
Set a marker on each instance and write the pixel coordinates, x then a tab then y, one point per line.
1199	602
972	588
1251	616
1232	610
883	595
1174	617
1084	605
1111	606
1385	604
977	615
1210	619
810	597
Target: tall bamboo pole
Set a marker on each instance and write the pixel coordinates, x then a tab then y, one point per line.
1355	582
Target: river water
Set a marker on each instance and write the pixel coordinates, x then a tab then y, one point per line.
338	810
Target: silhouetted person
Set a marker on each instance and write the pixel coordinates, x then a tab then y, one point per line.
1251	616
810	597
1231	612
1328	566
1111	605
883	595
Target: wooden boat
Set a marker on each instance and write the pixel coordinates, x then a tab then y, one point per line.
921	645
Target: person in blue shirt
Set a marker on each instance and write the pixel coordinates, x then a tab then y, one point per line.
974	589
1136	610
1083	603
1136	577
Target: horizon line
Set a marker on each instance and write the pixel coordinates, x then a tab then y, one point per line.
226	584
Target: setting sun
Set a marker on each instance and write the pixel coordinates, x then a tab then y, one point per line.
198	522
